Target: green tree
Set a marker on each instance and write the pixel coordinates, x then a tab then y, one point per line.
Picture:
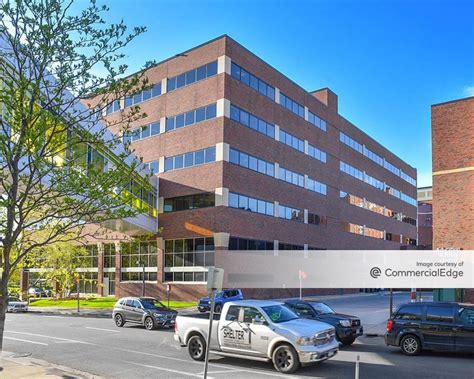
56	173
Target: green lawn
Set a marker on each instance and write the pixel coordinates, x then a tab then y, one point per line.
97	303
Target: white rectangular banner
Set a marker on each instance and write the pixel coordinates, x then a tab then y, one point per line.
348	268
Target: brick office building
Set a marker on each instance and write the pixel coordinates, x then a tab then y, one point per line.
247	159
452	126
425	218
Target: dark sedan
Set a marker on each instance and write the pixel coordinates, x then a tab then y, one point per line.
348	328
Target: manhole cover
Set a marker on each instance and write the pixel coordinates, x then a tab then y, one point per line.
20	355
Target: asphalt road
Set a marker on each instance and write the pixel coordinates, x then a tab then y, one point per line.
98	347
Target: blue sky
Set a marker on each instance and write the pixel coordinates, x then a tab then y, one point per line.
388	61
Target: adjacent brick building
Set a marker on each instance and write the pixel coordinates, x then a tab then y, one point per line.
452	126
425	218
247	159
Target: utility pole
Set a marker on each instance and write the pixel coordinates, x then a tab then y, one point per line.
391	302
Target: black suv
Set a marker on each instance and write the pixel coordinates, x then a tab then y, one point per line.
432	326
348	328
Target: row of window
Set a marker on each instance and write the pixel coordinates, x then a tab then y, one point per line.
316	219
139	253
316	153
138	276
142	132
353	144
189	244
289	213
196	201
376	233
291	177
192	117
185	276
291	105
252	81
252	121
189	252
193	158
152	166
143	95
192	76
291	140
251	204
358	174
380	209
237	243
317	121
315	186
248	161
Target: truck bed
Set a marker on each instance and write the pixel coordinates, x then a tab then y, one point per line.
200	315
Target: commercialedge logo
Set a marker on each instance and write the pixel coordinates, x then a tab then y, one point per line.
376	272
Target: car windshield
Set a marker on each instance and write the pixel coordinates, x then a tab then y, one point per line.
279	313
322	308
149	304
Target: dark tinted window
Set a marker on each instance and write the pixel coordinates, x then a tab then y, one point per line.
136	304
440	314
129	303
410	313
232	313
466	315
304	310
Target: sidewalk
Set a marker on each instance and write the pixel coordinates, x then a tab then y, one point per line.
97	313
13	366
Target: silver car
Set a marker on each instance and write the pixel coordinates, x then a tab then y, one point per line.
14	304
145	311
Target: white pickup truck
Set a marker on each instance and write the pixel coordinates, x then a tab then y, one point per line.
259	330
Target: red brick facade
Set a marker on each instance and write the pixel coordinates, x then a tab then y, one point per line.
453	176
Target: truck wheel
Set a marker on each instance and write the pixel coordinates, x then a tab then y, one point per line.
149	323
197	348
410	345
285	359
348	341
218	308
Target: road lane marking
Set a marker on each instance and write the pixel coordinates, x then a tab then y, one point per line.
22	340
105	330
54	338
166	369
217	365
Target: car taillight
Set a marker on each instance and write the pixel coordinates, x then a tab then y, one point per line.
389	325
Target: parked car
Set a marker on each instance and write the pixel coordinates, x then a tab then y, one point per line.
146	311
432	326
222	297
348	328
39	292
259	330
14	304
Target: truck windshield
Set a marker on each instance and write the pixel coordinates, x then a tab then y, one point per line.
279	313
322	308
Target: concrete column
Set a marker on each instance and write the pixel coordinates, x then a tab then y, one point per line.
118	266
161	165
277	133
306	113
221	245
276	245
305	181
277	95
161	205
122	103
305	217
277	170
164	85
100	269
222	152
24	276
162	125
305	247
276	209
160	260
223	64
222	197
306	147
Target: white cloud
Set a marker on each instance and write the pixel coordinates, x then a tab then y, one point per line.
469	91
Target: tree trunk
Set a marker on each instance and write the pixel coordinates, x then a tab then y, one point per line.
3	305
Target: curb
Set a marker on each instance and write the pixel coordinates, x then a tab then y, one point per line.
6	356
70	313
